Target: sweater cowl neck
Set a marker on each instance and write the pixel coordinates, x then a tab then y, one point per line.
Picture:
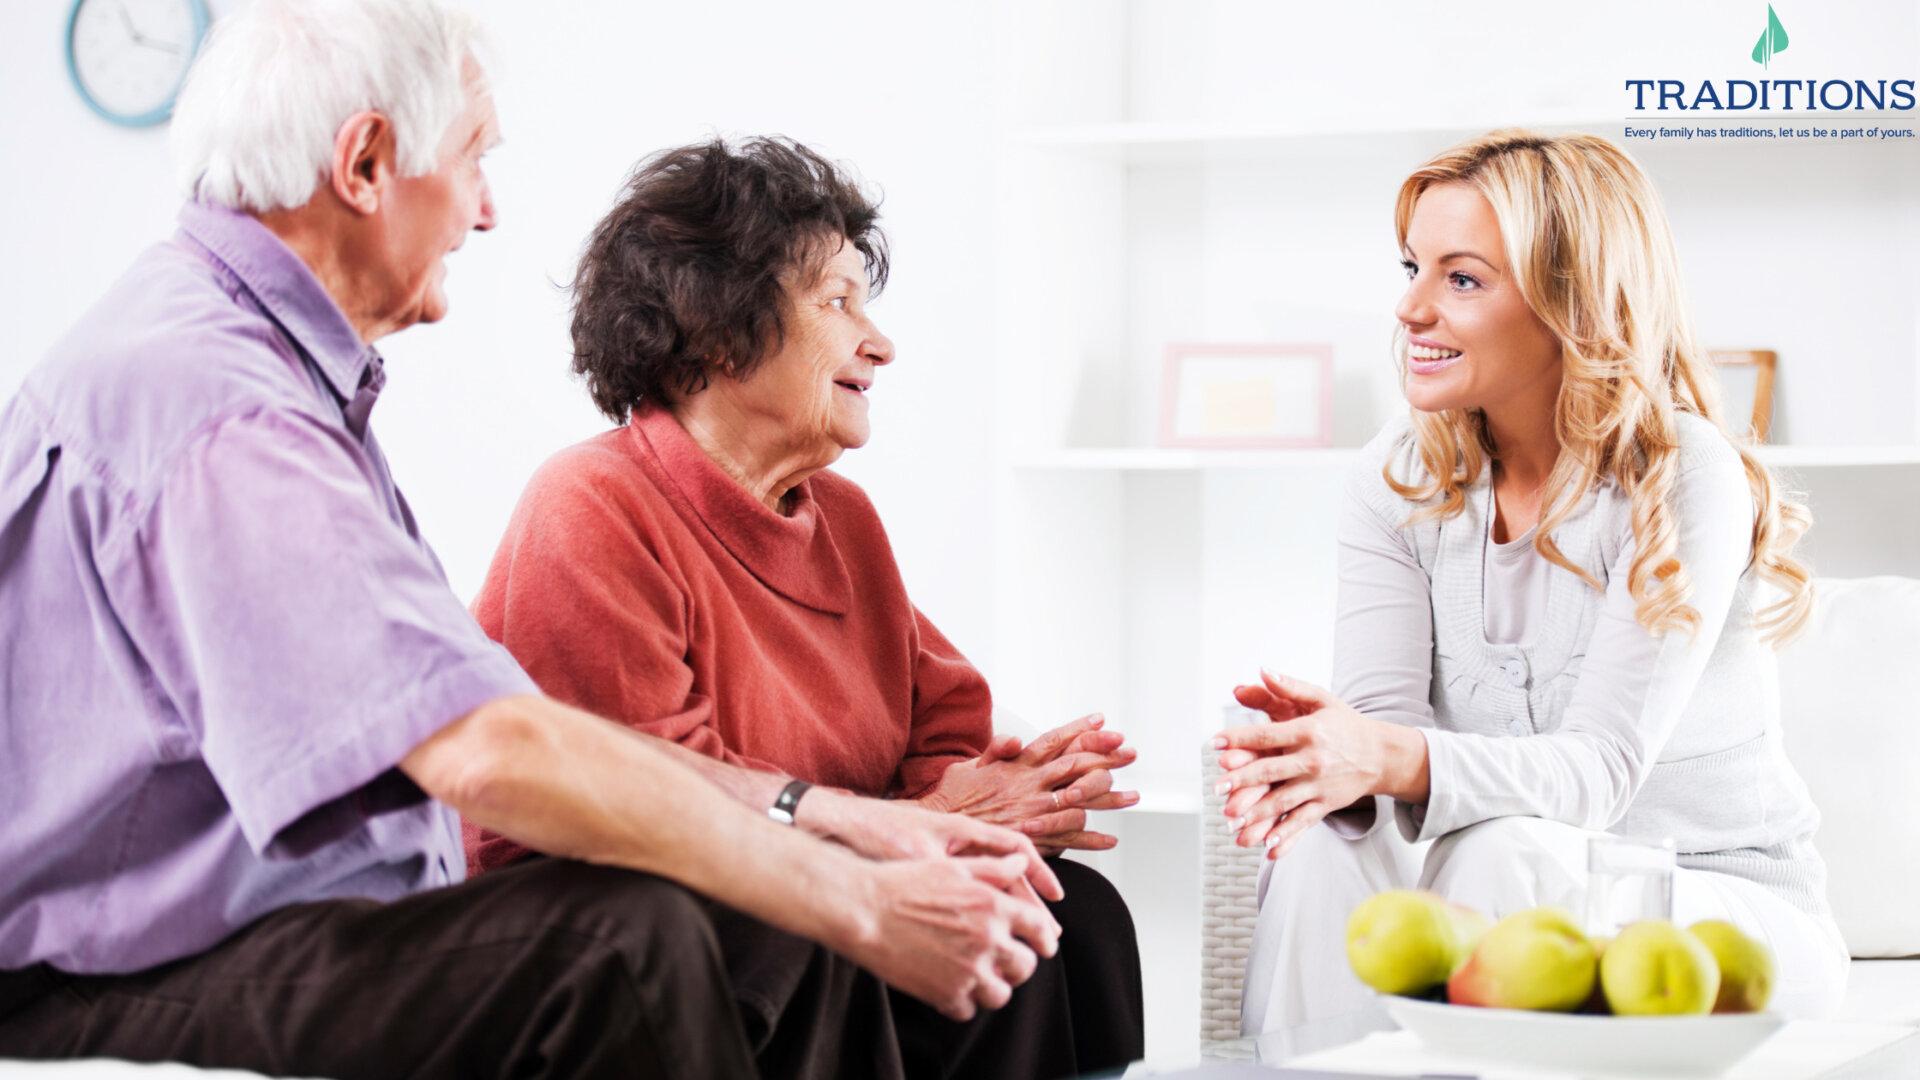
794	555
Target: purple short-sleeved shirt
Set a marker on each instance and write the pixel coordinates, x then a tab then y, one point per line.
219	627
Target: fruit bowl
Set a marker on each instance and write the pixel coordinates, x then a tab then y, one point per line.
1588	1044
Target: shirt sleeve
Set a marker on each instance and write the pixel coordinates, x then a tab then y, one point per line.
305	639
952	710
1632	690
581	598
1383	633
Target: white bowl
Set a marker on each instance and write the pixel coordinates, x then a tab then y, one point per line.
1619	1045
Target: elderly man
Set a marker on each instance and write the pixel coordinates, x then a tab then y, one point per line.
240	706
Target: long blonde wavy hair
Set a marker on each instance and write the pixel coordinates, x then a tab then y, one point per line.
1592	254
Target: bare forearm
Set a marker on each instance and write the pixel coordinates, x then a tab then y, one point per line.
819	813
569	784
754	788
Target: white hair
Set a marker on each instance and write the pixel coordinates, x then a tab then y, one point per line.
255	123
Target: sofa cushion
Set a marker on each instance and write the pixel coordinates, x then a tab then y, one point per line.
1850	718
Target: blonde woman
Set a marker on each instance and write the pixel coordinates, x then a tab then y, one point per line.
1560	583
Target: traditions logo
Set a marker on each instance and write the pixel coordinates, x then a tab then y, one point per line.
1766	94
1772	40
1816	98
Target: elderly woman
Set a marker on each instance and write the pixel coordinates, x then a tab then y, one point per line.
1559	581
699	574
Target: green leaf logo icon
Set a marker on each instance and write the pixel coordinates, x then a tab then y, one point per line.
1773	40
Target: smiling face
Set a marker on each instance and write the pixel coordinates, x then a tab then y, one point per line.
430	215
1472	341
813	390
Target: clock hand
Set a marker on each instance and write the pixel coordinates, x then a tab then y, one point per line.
127	21
133	30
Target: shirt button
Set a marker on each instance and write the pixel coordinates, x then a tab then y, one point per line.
1516	669
1517	726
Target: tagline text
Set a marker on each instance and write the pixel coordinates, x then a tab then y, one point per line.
1785	131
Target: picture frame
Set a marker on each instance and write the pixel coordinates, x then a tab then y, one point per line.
1746	389
1247	396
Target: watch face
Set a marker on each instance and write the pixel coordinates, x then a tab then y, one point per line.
129	56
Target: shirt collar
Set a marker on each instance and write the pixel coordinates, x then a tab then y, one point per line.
287	289
794	555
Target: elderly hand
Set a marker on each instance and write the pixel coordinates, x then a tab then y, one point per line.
897	829
949	931
1043	789
1317	755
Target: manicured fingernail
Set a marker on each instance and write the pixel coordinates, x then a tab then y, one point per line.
1236	823
1222	787
1219	742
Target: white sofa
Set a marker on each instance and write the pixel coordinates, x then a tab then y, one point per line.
1850	723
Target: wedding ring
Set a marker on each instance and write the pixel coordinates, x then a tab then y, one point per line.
1056	799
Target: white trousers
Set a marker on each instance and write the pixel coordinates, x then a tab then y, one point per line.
1301	994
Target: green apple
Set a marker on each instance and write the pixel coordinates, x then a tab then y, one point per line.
1596	1002
1746	966
1406	941
1654	968
1534	959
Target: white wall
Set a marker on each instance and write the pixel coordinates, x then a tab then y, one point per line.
477	402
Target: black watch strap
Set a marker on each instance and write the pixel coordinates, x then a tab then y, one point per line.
782	808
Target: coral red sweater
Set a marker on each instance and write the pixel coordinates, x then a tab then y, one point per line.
640	582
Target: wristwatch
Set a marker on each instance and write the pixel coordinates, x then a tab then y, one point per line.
782	808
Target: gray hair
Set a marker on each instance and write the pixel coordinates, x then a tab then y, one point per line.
255	123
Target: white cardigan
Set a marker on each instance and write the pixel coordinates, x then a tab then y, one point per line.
1595	722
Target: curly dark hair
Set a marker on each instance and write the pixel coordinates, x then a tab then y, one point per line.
685	275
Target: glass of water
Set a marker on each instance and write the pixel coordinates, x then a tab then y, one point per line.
1628	881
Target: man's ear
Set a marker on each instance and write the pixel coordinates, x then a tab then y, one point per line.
363	161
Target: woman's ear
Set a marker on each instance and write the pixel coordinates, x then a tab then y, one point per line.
363	161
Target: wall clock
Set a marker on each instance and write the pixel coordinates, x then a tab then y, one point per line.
129	57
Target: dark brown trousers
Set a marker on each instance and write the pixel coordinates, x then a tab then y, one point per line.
1079	1013
559	969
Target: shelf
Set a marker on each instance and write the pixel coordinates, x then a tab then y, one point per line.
1136	459
1163	142
1159	800
1813	457
1144	459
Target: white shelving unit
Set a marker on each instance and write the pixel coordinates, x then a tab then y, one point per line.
1838	457
1158	181
1181	143
1150	459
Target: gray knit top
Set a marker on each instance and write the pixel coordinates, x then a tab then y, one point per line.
1594	721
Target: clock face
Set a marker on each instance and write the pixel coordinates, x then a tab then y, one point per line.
129	56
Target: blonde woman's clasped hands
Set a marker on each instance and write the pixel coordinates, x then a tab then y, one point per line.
1315	754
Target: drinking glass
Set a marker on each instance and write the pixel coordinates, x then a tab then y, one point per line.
1628	881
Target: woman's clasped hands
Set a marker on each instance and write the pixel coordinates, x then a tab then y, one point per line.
1315	755
1043	789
